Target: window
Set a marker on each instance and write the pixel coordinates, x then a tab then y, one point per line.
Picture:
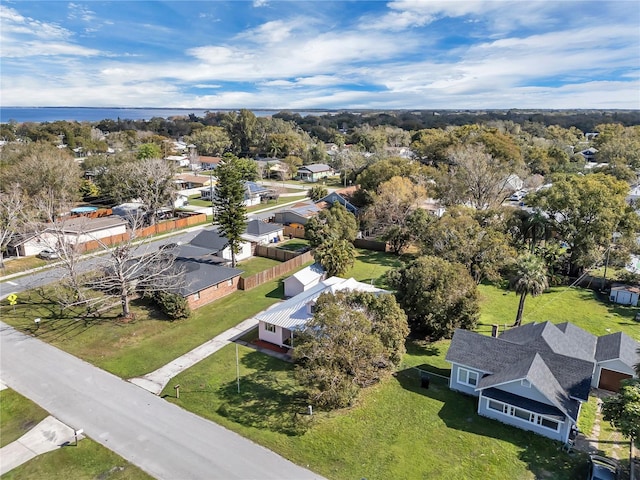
269	327
196	296
467	377
523	414
545	422
229	282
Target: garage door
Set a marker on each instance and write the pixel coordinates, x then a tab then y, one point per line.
610	380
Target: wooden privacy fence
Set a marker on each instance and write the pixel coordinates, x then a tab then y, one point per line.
374	245
295	231
192	219
275	253
274	272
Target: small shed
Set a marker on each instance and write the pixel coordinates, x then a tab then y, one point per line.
303	280
624	295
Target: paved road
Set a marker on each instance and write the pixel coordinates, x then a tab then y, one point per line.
161	438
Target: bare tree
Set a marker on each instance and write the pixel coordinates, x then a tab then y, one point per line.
11	217
475	177
151	180
131	268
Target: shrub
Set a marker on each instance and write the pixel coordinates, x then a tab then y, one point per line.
173	305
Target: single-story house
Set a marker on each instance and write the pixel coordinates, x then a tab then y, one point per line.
70	230
589	154
208	163
206	281
315	172
252	195
298	213
218	245
187	181
303	280
343	197
536	376
263	233
178	160
278	323
624	294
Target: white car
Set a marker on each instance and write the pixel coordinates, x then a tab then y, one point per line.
48	254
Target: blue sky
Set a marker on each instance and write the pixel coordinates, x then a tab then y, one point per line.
405	54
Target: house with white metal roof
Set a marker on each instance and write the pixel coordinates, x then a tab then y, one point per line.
278	324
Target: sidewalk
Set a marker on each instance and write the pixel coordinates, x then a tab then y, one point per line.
155	382
47	436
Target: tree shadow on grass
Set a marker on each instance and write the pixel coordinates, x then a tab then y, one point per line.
265	403
545	458
417	347
265	363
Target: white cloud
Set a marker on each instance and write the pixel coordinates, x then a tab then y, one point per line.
260	3
15	24
82	12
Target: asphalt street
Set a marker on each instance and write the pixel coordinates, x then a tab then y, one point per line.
158	436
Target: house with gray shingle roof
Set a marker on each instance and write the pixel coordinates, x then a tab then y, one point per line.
315	172
536	376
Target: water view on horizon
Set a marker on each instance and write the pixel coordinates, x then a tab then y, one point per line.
95	114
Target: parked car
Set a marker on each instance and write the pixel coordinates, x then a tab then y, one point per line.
48	254
602	468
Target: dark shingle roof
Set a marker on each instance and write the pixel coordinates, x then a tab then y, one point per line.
316	168
258	227
211	240
522	402
201	274
528	352
618	346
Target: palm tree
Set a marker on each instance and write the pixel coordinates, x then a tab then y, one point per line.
529	278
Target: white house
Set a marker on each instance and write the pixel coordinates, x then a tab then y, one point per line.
624	295
178	160
303	280
263	233
71	230
277	324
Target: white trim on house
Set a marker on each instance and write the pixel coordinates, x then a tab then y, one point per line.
525	415
468	377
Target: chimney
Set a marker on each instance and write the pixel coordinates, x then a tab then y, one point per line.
494	330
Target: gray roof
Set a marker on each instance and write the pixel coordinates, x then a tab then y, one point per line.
564	339
316	168
258	227
618	346
531	352
211	240
200	274
525	403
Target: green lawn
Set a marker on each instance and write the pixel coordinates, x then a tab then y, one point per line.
17	265
18	415
370	267
397	430
133	349
86	461
255	265
585	308
293	245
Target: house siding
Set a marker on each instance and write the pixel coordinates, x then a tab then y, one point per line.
615	365
624	297
562	434
212	293
454	384
271	337
292	287
527	392
245	252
